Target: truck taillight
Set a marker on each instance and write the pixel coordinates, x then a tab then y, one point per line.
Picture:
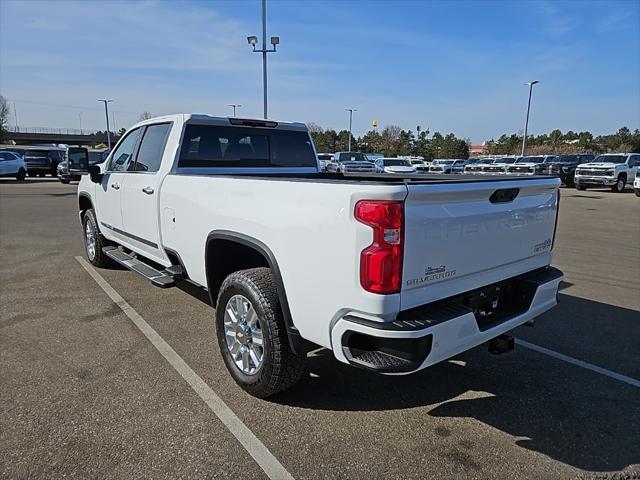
555	227
381	262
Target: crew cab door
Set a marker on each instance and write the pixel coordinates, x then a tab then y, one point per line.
140	205
108	192
634	164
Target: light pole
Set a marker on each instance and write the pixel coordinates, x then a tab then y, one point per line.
106	113
234	105
350	110
526	123
80	118
253	41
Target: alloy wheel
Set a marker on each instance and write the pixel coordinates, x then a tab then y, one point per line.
243	334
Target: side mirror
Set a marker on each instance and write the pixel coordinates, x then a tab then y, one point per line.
95	173
78	158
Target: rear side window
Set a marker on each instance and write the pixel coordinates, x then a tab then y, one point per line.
219	146
151	148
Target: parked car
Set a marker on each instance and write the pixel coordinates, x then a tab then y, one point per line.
95	157
353	162
529	165
240	207
40	160
323	160
614	170
459	165
441	166
498	166
477	164
12	165
636	183
564	166
394	165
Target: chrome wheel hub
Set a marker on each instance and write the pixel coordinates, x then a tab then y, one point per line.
90	241
243	334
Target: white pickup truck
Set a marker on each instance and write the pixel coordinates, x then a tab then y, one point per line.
424	267
614	170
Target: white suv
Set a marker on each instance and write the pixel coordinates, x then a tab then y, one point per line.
12	165
614	170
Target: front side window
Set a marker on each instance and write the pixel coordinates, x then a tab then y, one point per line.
123	154
151	148
219	146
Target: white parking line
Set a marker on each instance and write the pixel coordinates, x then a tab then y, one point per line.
580	363
263	457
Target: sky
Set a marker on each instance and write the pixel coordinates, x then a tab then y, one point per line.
449	66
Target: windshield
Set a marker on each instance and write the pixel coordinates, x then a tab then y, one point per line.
396	162
443	162
352	157
609	159
530	160
325	157
565	159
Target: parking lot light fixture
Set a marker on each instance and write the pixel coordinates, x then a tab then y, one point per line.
106	112
350	110
526	122
234	105
253	41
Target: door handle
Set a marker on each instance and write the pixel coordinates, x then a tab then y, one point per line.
148	190
115	186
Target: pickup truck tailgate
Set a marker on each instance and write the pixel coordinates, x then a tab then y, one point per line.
462	236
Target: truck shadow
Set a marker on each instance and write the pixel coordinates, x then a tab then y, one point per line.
572	415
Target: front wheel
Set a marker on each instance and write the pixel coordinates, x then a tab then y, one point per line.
64	181
619	185
252	335
637	192
20	176
580	187
93	240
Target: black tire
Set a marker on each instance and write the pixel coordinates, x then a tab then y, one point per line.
31	174
64	181
41	174
97	258
580	187
280	367
21	174
620	184
637	192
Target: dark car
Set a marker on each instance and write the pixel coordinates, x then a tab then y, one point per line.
40	160
564	166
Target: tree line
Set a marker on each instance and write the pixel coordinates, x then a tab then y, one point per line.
556	142
392	141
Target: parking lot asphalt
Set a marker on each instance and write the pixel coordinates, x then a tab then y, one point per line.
84	394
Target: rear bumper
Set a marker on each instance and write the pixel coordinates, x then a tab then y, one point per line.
430	334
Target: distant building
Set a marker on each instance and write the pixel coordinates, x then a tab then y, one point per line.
475	150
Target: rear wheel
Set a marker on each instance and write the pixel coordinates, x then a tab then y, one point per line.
580	187
21	174
619	185
93	240
252	335
637	192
